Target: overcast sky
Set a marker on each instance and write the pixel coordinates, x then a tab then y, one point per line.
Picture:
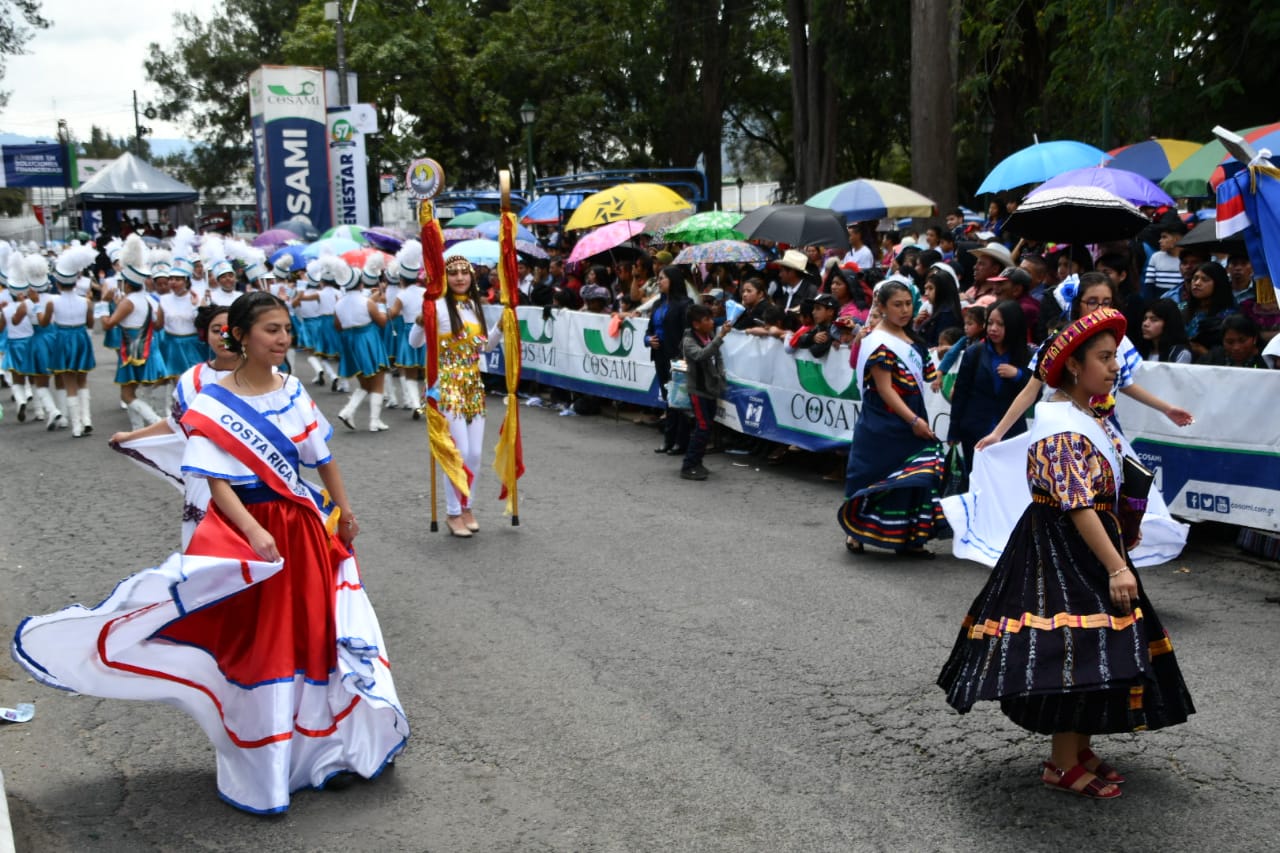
85	67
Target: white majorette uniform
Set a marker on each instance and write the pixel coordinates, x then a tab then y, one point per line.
281	664
360	342
223	298
461	386
182	348
73	349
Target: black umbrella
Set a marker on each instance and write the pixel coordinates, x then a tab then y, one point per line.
795	225
302	227
1205	238
1076	215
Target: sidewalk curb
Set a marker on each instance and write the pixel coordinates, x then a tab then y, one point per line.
6	830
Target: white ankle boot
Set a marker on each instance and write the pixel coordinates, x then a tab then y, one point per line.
413	396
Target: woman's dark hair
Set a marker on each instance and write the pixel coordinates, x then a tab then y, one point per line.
1089	281
885	292
677	291
950	336
1015	331
456	327
929	257
945	294
858	293
757	283
1220	299
604	276
204	316
645	262
245	311
1174	333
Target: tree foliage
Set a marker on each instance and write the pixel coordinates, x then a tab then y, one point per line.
18	18
807	92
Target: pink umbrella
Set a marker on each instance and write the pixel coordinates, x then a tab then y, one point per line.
605	238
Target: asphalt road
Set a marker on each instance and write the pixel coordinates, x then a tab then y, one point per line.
644	664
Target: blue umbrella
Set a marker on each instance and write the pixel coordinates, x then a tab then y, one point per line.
490	230
1038	163
295	252
1131	187
477	251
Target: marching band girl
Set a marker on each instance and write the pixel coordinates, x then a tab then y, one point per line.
140	362
359	321
72	317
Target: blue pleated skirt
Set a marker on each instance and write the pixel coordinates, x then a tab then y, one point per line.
147	374
363	353
73	350
304	332
44	347
182	352
408	356
17	356
327	344
392	333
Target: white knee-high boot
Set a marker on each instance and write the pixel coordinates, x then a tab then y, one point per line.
60	400
50	409
37	405
413	396
86	417
146	414
348	412
21	396
73	410
318	367
375	413
392	393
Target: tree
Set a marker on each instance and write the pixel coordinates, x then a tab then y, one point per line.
102	146
17	20
933	153
204	78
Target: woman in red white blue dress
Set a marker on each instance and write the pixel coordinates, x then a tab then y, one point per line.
260	629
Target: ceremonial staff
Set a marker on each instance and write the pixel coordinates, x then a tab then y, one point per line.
424	180
508	459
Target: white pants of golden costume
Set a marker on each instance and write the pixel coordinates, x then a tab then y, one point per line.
469	437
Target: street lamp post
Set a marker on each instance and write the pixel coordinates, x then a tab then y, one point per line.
528	115
739	184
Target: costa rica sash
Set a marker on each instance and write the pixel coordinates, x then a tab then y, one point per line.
246	435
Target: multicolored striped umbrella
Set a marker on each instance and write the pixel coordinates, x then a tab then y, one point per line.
1192	179
354	233
864	199
470	219
1153	159
705	227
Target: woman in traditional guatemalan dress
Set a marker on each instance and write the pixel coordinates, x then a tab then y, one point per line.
1062	634
894	474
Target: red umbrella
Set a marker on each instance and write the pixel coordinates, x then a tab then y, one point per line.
356	257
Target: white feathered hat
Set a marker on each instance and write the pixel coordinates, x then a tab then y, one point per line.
133	261
214	254
253	258
371	274
6	252
336	270
73	260
410	260
160	262
113	249
314	271
35	270
13	276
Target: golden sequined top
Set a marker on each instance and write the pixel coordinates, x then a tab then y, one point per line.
461	387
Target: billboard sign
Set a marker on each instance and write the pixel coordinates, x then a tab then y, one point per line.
291	166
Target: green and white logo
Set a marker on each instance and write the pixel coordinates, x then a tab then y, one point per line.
305	90
342	133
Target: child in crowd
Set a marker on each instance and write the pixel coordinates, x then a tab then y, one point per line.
701	350
817	337
975	324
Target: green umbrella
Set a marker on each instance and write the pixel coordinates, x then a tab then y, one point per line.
705	227
470	220
354	233
1191	178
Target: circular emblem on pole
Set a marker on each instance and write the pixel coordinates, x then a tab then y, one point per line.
425	178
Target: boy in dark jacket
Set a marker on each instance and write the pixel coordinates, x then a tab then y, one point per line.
701	350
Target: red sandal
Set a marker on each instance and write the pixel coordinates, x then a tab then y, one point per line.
1100	768
1077	781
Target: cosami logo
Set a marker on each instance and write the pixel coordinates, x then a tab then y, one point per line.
596	344
306	96
813	380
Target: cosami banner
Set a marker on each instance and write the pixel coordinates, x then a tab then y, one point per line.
1224	467
291	154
